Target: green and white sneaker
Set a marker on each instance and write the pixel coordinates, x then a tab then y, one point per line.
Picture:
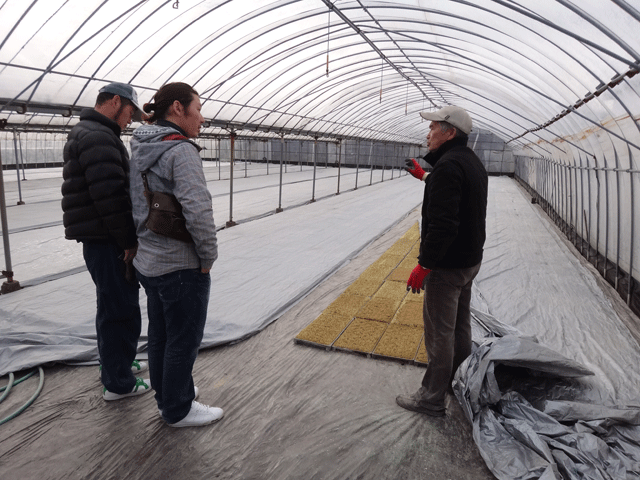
141	386
138	367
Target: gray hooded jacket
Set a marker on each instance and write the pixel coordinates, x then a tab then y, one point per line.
174	166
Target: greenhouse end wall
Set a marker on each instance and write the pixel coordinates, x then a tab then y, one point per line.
595	208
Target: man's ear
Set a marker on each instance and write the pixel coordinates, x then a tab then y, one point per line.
177	107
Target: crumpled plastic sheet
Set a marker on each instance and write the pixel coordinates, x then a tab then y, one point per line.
537	414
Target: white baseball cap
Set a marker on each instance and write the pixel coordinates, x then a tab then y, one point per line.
456	116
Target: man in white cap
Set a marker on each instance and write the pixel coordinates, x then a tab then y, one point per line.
97	213
451	245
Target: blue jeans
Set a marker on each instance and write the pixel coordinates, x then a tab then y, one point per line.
447	329
177	307
118	320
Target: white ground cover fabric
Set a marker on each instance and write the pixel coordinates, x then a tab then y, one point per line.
531	280
264	266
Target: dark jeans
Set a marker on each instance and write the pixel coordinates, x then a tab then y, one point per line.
447	329
177	307
118	321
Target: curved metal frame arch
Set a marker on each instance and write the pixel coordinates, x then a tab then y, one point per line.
52	65
113	51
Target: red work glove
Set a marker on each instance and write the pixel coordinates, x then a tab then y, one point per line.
415	169
416	279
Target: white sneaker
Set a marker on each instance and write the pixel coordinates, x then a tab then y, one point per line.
199	415
143	385
194	388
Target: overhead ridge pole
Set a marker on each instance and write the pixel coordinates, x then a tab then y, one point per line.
346	20
409	60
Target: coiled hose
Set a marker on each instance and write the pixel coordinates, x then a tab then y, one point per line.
11	383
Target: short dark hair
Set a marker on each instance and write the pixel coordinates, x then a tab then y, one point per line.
165	96
106	96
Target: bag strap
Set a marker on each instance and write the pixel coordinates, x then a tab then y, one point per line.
174	136
147	192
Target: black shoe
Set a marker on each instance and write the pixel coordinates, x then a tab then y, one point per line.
411	402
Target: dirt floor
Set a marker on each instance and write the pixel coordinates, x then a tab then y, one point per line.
291	412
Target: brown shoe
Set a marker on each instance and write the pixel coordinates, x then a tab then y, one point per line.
411	402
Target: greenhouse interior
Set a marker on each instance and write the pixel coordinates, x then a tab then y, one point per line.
311	109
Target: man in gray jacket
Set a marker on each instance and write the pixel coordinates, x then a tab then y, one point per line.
174	273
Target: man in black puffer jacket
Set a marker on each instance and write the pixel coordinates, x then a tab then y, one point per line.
97	212
451	245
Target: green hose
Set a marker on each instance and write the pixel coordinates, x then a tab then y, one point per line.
30	401
7	388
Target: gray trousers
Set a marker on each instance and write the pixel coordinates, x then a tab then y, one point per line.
447	329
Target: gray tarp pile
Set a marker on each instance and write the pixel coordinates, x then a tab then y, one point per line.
537	414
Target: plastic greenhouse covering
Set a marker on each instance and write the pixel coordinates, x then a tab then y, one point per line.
553	89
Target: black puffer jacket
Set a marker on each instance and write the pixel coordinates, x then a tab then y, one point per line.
95	191
454	208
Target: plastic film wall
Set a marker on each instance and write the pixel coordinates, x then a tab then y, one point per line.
554	80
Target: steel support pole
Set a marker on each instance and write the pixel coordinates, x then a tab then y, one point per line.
232	138
244	157
219	156
15	147
339	145
279	209
384	160
394	159
357	161
10	285
589	223
618	223
315	151
371	164
584	228
22	162
631	227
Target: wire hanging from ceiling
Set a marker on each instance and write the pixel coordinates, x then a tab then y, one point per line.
328	32
406	101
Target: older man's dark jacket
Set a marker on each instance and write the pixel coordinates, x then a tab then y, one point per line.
454	208
95	191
